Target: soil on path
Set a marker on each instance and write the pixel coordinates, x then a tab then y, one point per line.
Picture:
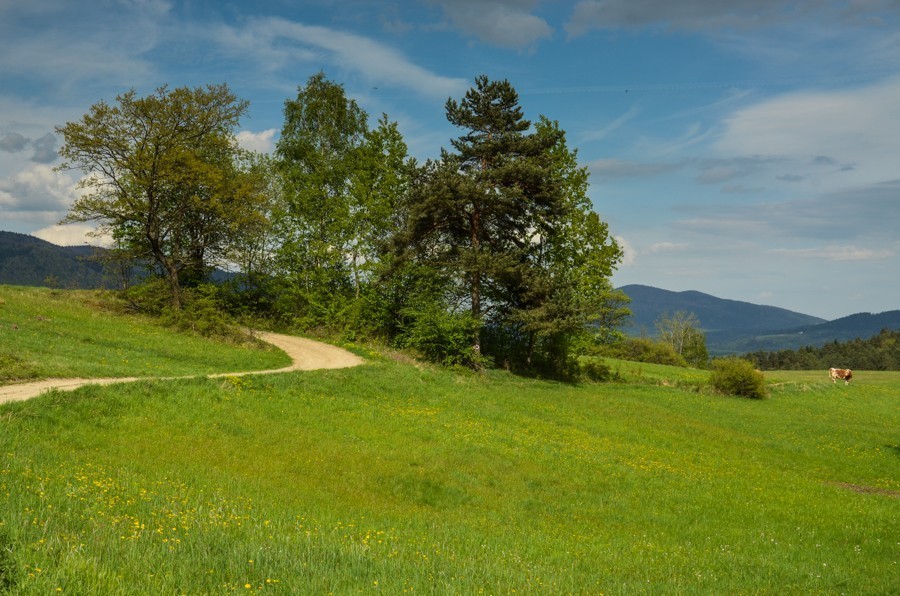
305	354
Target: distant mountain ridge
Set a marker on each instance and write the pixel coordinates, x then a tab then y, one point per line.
732	326
29	261
715	314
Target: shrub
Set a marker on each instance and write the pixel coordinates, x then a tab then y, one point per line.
593	368
440	336
735	376
646	350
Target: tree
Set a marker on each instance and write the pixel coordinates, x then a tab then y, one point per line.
377	186
163	177
474	214
572	258
681	330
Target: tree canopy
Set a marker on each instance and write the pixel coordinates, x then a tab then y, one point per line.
163	176
490	252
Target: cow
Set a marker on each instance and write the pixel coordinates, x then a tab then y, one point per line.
840	373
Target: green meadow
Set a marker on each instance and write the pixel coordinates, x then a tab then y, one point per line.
397	478
68	333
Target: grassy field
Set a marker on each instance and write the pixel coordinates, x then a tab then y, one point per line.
394	478
54	333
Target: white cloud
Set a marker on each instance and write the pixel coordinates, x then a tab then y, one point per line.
257	141
60	56
854	126
506	23
596	135
270	39
629	254
72	235
38	188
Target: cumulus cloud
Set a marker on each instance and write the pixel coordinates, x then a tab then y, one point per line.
75	234
12	142
505	23
45	149
629	254
37	189
257	141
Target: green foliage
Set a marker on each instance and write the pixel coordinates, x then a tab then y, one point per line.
164	178
507	222
642	349
880	352
594	368
342	184
202	313
736	376
441	336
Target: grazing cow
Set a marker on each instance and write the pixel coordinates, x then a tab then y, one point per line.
840	373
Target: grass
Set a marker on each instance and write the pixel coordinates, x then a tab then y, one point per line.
54	333
399	479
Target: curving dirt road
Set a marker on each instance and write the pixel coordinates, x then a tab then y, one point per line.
305	354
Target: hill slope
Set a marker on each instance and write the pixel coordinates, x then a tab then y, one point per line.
715	314
858	326
29	261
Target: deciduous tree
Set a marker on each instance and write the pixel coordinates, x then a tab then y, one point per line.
162	176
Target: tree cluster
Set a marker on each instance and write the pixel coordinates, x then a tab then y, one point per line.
880	352
491	252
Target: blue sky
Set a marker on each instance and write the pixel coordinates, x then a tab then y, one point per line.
749	149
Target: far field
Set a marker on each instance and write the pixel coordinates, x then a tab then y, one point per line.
401	478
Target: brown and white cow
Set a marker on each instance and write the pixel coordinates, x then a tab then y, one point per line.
840	373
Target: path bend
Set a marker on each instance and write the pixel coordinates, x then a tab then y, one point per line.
305	354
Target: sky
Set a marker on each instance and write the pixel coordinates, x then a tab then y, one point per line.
748	149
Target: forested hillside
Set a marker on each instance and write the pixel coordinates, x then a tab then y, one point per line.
881	352
29	261
648	304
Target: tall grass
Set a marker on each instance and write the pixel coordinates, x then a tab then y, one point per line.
388	477
55	333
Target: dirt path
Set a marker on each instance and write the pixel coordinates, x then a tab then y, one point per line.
305	354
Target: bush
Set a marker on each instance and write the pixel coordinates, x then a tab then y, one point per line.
645	350
593	368
735	376
440	336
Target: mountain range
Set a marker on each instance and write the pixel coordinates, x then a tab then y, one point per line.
731	326
734	327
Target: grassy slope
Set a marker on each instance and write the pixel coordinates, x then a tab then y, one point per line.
395	478
52	333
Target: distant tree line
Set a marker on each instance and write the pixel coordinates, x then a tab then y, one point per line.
880	352
490	254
